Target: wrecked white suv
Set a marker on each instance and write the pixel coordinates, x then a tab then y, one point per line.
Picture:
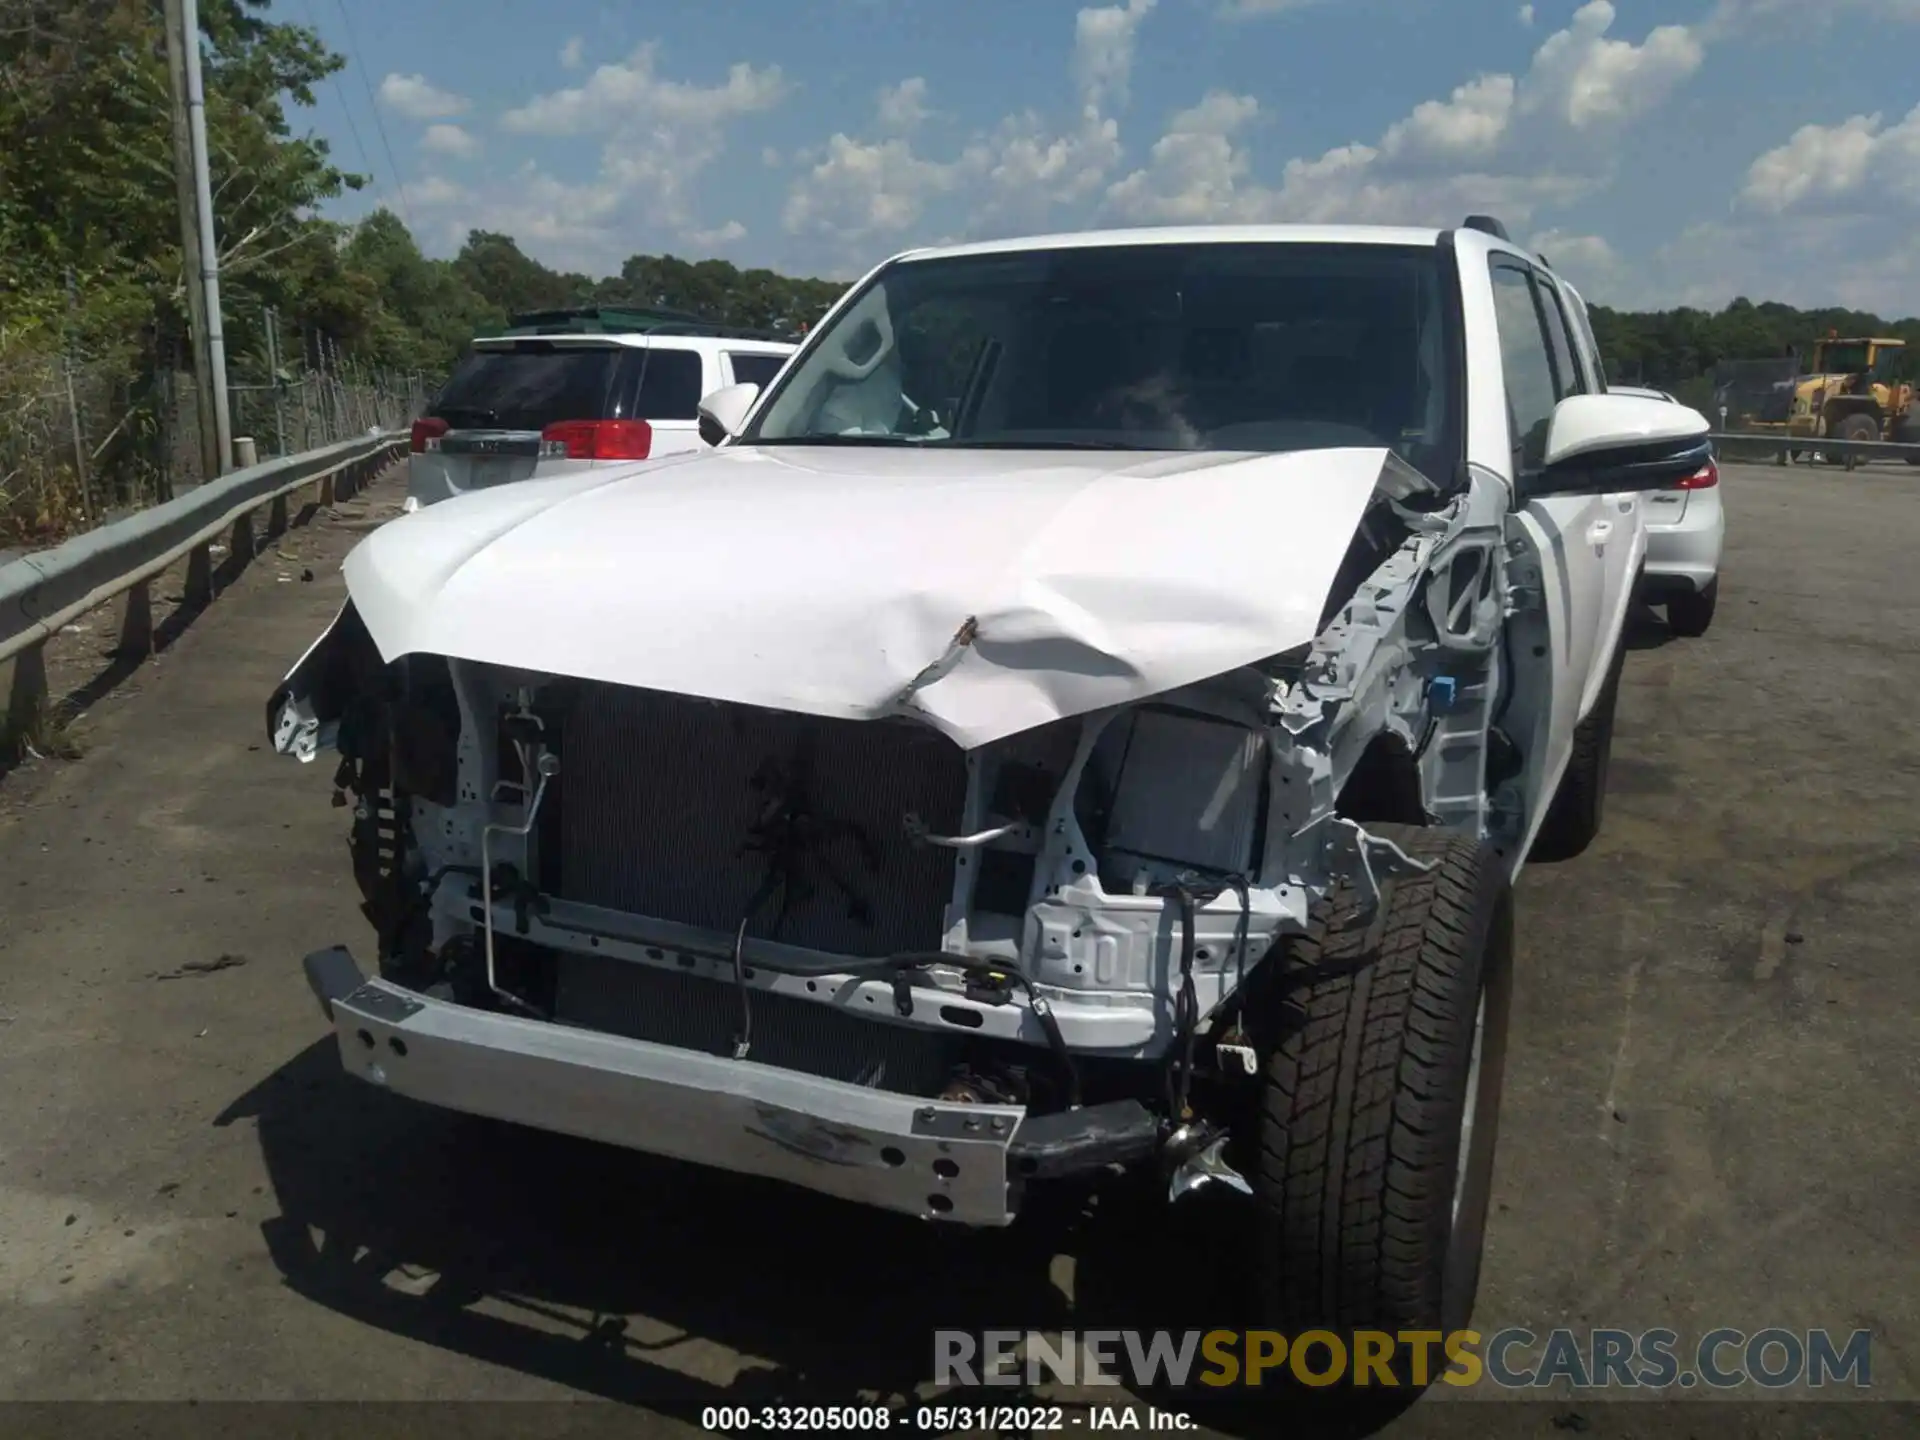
1088	714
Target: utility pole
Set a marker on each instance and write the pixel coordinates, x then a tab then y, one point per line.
190	242
183	42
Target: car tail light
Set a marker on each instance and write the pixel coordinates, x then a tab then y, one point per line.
598	439
1705	478
426	434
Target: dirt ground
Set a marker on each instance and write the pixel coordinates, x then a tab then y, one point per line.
1709	1117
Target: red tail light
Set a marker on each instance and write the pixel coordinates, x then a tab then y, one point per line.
1705	478
426	435
600	439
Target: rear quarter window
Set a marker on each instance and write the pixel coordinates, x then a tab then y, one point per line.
528	387
669	385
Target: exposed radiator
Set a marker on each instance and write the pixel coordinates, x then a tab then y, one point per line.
666	1007
659	798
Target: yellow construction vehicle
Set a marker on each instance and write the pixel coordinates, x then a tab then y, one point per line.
1851	393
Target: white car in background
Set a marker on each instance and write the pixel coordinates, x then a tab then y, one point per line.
1686	530
567	390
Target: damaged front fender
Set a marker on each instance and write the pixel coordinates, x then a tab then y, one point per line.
305	712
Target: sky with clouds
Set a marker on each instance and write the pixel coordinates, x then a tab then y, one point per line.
1659	152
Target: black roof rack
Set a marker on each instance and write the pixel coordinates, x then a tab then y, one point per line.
628	320
1487	225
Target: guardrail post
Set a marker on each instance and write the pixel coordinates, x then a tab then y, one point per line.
243	536
136	631
26	696
277	516
326	490
199	576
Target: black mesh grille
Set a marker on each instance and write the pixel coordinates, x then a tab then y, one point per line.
660	796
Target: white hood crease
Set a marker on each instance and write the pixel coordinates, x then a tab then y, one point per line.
990	592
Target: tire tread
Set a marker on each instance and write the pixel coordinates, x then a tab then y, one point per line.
1358	1131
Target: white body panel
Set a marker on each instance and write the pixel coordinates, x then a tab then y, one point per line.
1584	549
1686	529
1686	532
828	580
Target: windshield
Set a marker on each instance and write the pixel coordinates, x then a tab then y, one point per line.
1843	359
1239	347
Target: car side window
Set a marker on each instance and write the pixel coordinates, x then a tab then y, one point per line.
669	387
755	369
1596	363
1567	371
1526	361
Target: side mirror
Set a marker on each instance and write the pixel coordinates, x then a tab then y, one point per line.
724	411
1602	444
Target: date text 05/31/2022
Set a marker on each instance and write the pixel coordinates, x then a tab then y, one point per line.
936	1419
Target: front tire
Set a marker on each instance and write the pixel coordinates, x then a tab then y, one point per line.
1857	428
1690	613
1381	1099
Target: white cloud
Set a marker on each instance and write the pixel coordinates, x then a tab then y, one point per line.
855	192
659	135
1526	15
1194	172
620	94
1586	79
1498	144
1858	165
860	190
451	140
903	107
573	54
1256	9
1589	261
770	157
437	190
1467	126
1808	260
416	98
1103	43
719	237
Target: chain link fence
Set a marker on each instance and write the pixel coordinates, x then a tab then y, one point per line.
1753	395
85	440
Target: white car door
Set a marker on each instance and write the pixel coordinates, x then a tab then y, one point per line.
1564	540
1623	549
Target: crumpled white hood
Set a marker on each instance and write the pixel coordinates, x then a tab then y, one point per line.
990	591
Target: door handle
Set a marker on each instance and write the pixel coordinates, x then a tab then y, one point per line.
1598	532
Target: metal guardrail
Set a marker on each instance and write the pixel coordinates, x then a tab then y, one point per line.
42	592
1847	453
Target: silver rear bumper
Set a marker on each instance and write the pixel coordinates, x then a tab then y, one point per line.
893	1152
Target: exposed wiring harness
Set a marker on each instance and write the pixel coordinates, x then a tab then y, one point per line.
1189	893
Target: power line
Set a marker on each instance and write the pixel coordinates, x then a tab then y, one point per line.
353	50
346	110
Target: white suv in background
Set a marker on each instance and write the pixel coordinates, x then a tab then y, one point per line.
567	390
1686	530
